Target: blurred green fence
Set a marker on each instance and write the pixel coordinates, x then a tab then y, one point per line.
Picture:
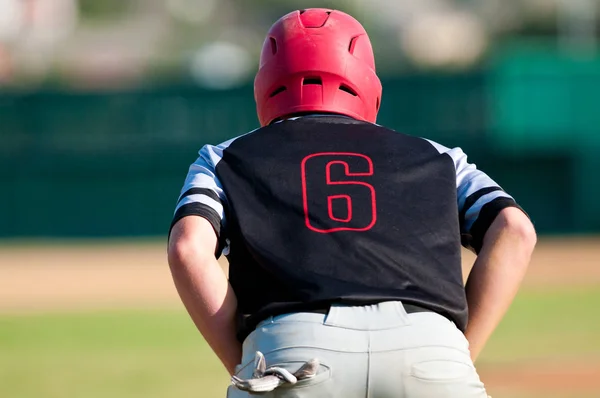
112	164
548	103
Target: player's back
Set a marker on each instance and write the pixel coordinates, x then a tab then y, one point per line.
337	233
329	209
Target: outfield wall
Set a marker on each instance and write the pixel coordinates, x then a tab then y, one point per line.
112	163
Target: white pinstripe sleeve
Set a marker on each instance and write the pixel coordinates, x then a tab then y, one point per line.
202	193
480	198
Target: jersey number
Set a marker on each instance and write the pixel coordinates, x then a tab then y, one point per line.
334	198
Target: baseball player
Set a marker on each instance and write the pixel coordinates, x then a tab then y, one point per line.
343	237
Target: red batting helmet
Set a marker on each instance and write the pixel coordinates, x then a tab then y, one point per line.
317	60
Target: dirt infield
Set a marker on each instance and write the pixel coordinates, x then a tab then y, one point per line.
39	278
77	277
570	379
51	277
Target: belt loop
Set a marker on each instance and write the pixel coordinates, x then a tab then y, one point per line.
326	315
331	318
399	306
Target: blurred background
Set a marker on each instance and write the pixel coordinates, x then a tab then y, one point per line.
104	104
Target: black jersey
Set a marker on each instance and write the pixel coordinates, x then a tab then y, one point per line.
327	209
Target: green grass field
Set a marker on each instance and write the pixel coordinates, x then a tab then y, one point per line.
154	354
548	325
109	354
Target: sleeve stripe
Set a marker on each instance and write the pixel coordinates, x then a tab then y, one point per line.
473	198
200	191
479	198
487	215
469	181
215	205
474	212
201	210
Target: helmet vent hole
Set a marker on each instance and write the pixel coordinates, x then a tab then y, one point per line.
312	80
352	44
303	11
347	89
273	45
377	104
277	91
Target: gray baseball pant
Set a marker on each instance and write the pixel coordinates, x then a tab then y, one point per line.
375	351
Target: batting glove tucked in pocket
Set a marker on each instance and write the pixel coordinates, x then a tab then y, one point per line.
267	379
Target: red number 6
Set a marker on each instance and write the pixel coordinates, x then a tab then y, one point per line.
359	196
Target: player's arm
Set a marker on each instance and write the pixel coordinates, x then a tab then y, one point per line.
498	230
497	274
204	288
195	241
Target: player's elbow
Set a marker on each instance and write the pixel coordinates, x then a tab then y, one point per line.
179	252
518	225
184	250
